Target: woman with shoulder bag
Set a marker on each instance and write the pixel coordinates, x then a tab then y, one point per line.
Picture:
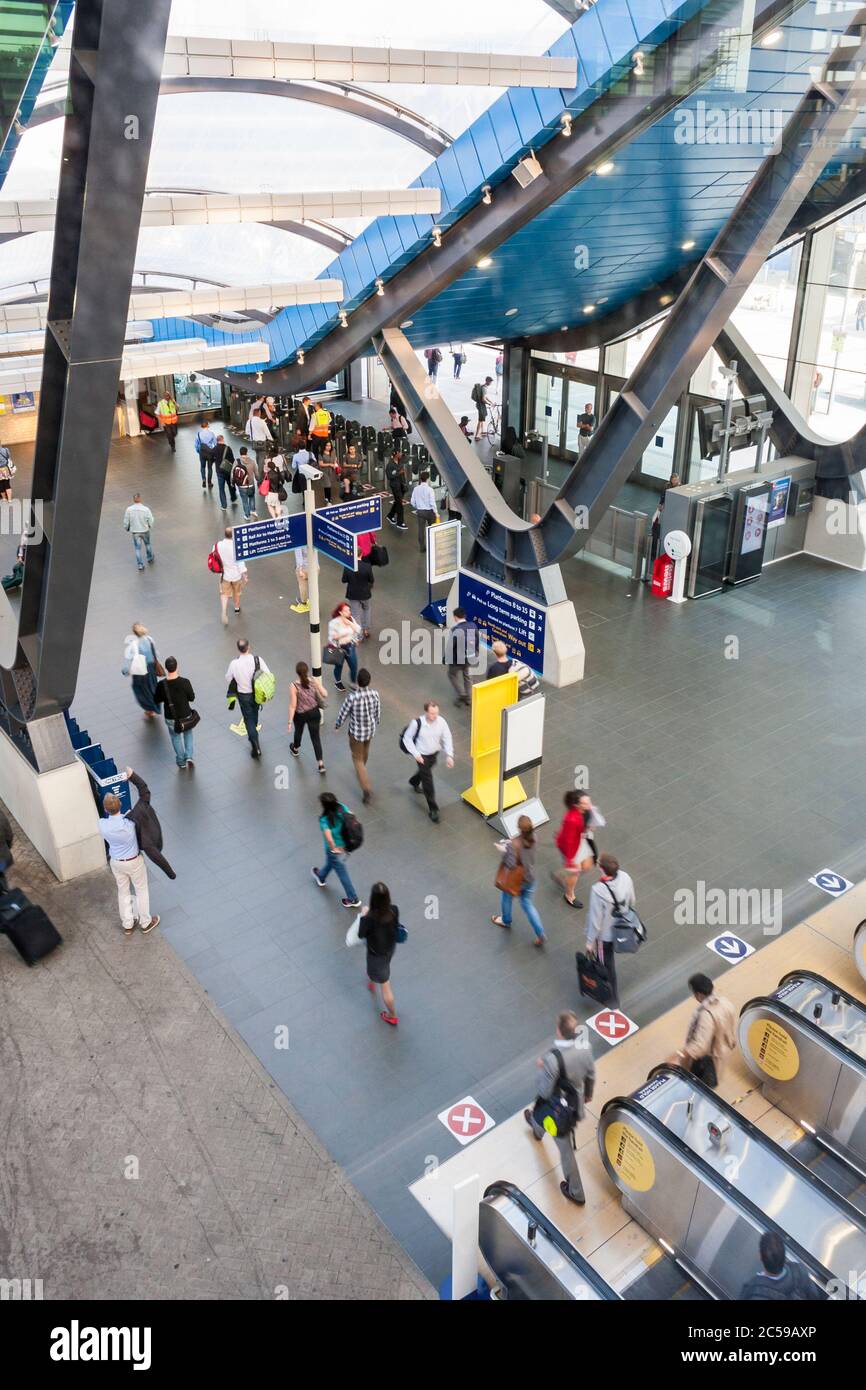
380	928
139	662
343	636
307	698
276	494
175	694
516	879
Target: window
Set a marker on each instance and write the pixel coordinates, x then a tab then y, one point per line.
194	392
765	314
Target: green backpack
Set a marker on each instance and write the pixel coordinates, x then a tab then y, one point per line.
264	685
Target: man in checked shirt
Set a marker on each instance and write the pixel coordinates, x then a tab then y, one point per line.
363	709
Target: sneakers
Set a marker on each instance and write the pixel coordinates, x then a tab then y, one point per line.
190	763
401	526
390	520
299	607
338	685
127	931
434	816
320	881
351	902
295	752
149	926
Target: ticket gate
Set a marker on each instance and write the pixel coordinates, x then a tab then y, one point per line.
860	948
706	1183
806	1044
529	1255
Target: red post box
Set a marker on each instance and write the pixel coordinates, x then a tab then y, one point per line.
663	576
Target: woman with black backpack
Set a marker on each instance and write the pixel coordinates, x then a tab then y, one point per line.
380	928
331	824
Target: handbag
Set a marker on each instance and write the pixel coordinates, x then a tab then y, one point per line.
592	978
138	663
332	656
704	1069
188	722
510	881
379	556
321	697
264	487
353	935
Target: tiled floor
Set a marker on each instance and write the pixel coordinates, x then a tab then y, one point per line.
744	773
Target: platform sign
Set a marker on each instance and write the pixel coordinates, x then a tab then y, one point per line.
830	882
730	947
270	537
505	616
612	1025
359	515
443	551
335	541
466	1120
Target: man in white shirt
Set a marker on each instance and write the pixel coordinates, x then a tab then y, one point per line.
423	501
259	435
614	883
425	738
234	575
127	864
138	520
243	672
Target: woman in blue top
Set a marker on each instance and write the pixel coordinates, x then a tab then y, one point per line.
331	826
139	661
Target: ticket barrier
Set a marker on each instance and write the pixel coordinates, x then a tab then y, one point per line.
529	1255
707	1183
806	1044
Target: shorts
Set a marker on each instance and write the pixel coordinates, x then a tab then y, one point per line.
482	411
231	586
584	851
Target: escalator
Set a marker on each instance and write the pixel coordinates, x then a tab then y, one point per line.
860	948
529	1255
706	1183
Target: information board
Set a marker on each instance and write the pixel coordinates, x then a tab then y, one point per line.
443	551
505	616
360	515
777	507
335	541
270	537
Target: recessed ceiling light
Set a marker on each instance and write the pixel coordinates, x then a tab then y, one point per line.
666	299
509	313
774	37
484	262
407	323
589	308
688	246
564	328
605	168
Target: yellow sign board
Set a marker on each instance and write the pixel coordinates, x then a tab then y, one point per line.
629	1157
774	1049
489	699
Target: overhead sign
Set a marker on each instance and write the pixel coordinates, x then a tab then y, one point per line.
466	1120
831	882
505	616
360	515
335	541
270	537
443	551
612	1025
777	504
730	947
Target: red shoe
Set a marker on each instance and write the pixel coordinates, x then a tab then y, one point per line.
371	987
389	1018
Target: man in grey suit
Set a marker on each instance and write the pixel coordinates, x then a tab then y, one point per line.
572	1045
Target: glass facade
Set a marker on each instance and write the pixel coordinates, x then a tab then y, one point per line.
194	392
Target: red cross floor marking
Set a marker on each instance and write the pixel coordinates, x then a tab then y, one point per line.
612	1024
465	1120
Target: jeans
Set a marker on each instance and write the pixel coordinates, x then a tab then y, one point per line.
458	364
337	862
425	519
248	500
206	461
361	612
396	512
141	542
221	484
528	906
250	711
182	745
351	655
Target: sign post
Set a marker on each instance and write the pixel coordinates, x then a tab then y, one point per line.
522	743
313	583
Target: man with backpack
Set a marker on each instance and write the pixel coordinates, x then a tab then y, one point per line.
244	477
779	1280
481	401
246	682
434	357
503	665
233	573
224	463
566	1077
205	447
424	738
613	892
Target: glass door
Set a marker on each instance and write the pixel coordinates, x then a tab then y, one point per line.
547	419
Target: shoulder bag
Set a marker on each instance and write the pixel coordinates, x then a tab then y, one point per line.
189	721
704	1068
510	881
629	932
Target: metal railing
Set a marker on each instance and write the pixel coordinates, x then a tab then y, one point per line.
621	536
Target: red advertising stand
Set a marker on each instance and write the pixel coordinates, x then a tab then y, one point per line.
663	577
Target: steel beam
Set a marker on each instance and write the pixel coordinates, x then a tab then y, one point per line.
117	48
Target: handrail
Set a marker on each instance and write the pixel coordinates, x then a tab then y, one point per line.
502	1188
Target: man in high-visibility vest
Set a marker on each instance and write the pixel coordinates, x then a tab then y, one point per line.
167	412
320	428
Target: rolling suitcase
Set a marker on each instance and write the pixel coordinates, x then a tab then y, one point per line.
30	930
593	979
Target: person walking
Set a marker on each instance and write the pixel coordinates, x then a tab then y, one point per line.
175	693
434	357
233	577
320	428
780	1279
379	927
205	447
138	521
241	676
140	663
307	698
245	480
462	649
711	1035
481	401
395	475
459	356
423	502
425	738
224	462
126	862
363	709
359	592
518	853
259	434
566	1074
331	826
614	889
498	367
166	413
399	427
275	494
302	575
574	844
344	634
860	315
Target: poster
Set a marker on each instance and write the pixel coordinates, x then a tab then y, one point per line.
443	551
23	401
754	524
777	507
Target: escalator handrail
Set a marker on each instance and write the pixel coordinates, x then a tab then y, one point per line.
812	1029
715	1179
822	980
503	1188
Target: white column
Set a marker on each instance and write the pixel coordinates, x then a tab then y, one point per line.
130	395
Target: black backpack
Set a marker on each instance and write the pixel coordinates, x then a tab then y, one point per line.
403	733
352	832
477	392
559	1112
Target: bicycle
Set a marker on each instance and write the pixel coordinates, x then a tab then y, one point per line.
494	422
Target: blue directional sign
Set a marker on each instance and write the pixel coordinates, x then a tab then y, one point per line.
335	541
830	882
360	515
505	616
730	947
270	537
